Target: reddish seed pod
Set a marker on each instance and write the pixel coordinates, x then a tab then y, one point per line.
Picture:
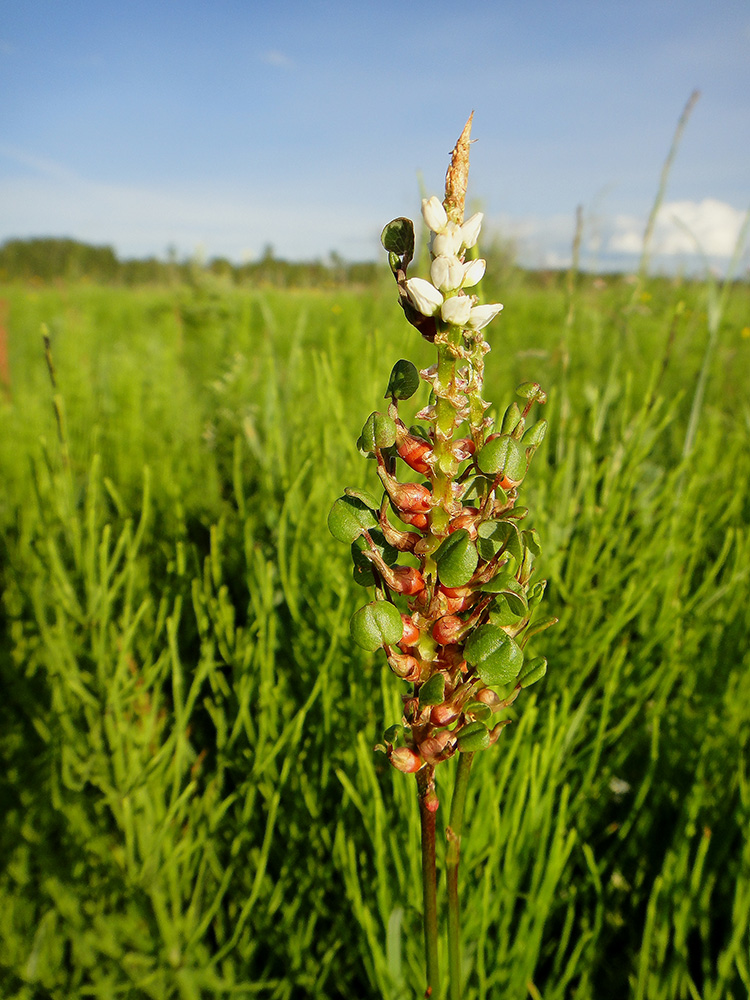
404	541
452	658
411	498
447	630
411	632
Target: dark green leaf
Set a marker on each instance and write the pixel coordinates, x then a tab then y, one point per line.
398	237
404	380
510	419
432	691
511	590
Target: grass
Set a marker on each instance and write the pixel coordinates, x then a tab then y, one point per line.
192	807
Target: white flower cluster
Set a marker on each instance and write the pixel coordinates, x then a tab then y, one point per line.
449	273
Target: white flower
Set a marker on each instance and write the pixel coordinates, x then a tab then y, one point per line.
424	296
470	230
447	273
482	315
433	214
447	242
457	310
473	272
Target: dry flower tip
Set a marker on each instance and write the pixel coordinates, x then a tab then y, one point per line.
457	177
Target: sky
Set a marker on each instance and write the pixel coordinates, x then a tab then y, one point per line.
222	128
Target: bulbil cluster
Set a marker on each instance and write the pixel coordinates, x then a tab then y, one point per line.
444	544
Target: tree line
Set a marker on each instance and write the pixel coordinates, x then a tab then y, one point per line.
48	259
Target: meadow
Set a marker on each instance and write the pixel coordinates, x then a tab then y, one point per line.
191	803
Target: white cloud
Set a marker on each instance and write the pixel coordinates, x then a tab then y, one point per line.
273	57
683	228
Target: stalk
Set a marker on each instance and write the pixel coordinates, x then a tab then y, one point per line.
453	858
427	801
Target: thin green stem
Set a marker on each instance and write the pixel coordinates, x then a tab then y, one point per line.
453	857
427	802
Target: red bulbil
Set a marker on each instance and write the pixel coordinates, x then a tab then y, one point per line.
411	632
406	760
412	450
415	520
447	630
457	599
466	519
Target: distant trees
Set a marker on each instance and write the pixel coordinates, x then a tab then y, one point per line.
53	259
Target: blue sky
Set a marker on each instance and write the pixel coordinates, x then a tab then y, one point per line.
220	127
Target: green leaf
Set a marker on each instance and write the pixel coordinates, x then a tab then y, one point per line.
480	711
368	498
348	518
533	671
503	455
531	541
511	590
432	691
493	535
473	737
456	559
404	380
534	435
497	657
510	419
395	735
539	626
379	431
398	237
501	613
363	574
375	625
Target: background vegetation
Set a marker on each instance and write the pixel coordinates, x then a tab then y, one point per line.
191	804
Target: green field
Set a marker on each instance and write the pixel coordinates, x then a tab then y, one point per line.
191	804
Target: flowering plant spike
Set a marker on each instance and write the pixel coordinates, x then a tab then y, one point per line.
448	552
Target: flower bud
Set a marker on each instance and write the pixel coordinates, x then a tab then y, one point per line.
473	272
482	315
470	230
423	296
434	214
447	273
447	242
456	310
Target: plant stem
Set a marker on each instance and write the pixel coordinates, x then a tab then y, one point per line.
426	789
453	857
